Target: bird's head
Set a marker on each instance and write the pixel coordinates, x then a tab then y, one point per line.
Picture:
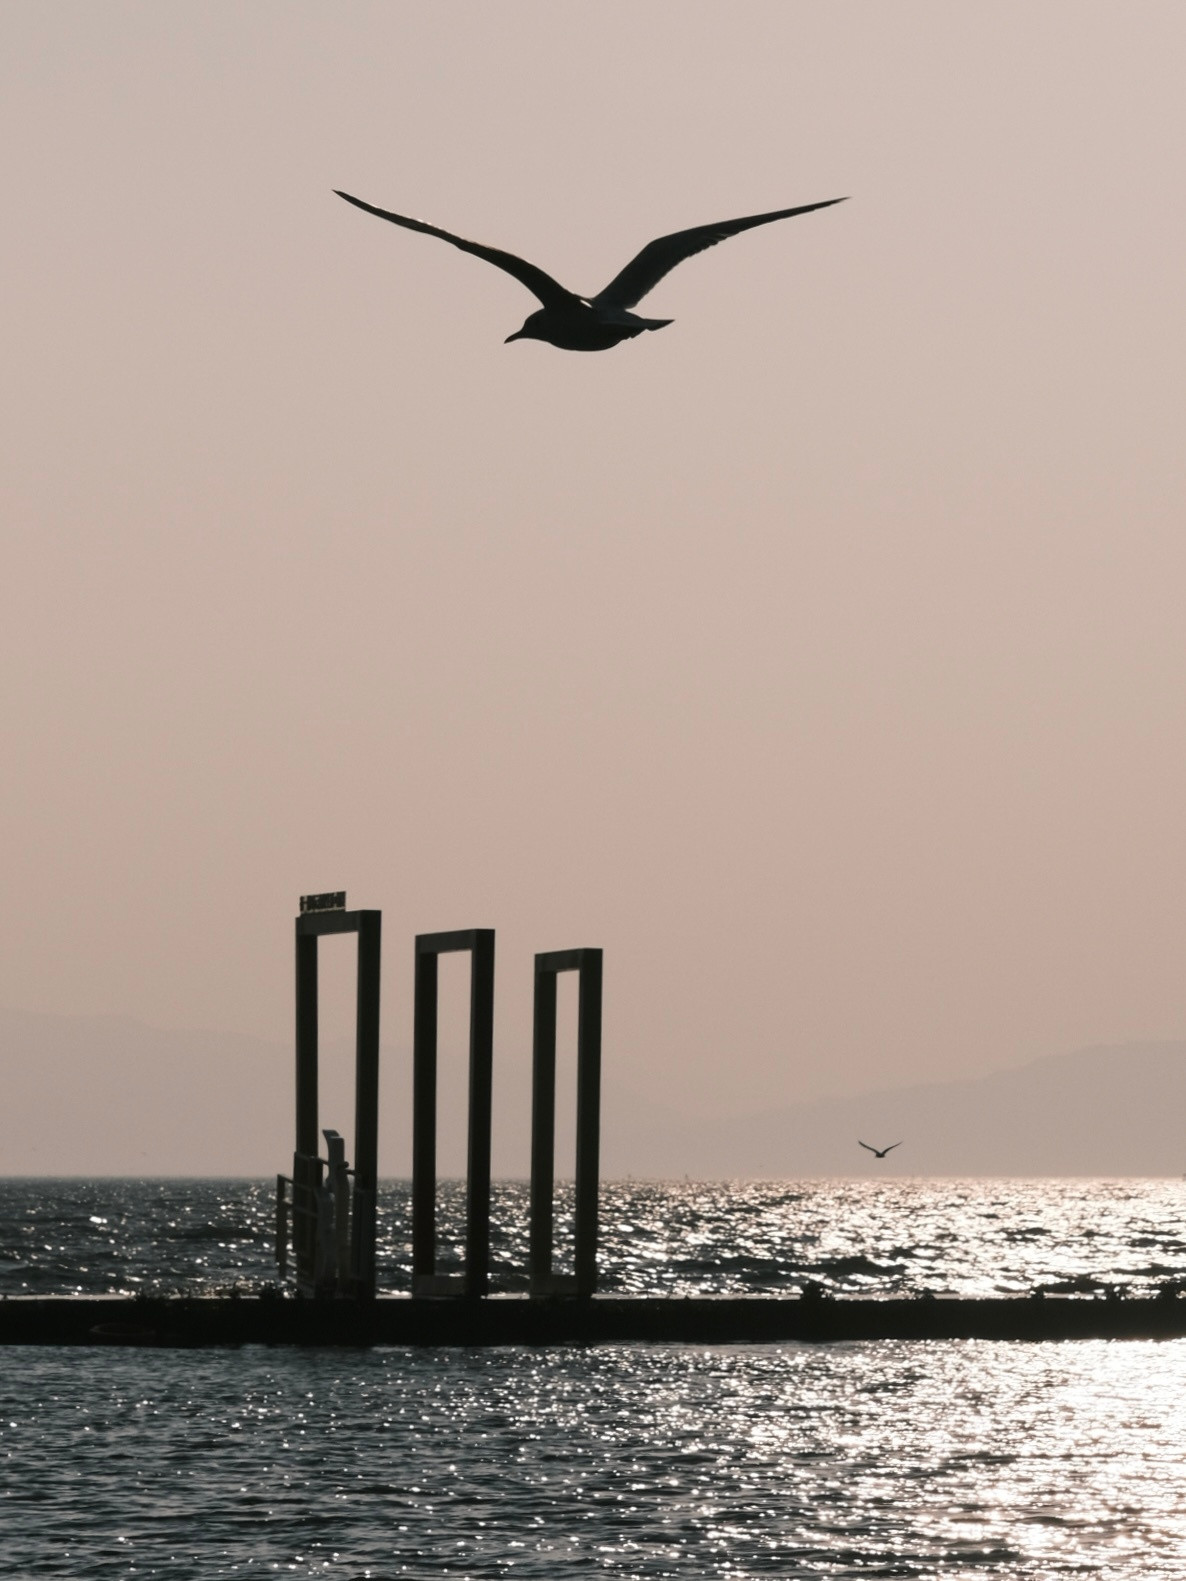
533	328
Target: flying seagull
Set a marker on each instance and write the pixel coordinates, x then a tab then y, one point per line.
583	323
878	1152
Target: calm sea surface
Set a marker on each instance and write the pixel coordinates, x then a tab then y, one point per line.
888	1459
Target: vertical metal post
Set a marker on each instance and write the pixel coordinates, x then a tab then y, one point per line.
588	965
481	1080
306	1174
424	1118
306	1042
366	1104
476	1279
588	1160
543	1128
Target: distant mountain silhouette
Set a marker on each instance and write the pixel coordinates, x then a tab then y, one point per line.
1107	1110
107	1095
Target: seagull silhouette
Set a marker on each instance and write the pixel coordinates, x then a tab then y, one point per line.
582	323
878	1152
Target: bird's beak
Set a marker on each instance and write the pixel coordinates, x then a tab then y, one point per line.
518	335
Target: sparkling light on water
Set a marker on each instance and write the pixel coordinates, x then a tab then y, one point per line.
967	1237
869	1460
876	1460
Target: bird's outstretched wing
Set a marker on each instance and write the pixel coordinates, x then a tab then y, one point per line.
890	1148
866	1146
550	292
642	274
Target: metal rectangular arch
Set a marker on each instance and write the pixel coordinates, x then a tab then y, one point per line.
311	924
588	965
475	1280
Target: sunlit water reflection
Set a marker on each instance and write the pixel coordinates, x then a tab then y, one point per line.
967	1237
873	1460
870	1460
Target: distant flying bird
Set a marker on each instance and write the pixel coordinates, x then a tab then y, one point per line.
581	323
878	1152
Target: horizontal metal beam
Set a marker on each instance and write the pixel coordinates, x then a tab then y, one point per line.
562	960
316	923
446	943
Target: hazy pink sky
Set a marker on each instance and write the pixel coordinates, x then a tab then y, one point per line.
822	657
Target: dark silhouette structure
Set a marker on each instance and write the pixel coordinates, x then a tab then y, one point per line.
698	1320
474	1281
587	964
333	1221
578	323
334	1225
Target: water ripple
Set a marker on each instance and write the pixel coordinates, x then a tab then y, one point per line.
892	1460
962	1237
860	1461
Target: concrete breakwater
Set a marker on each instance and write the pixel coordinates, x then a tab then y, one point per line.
185	1322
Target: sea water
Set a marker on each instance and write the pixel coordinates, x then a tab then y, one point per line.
881	1459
